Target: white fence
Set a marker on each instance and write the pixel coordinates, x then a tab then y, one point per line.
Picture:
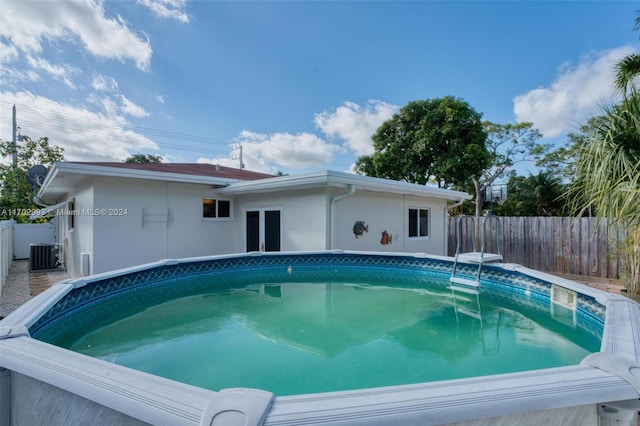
6	250
25	234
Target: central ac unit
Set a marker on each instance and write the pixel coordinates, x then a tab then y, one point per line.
43	257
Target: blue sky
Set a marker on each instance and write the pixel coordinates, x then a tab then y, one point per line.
301	85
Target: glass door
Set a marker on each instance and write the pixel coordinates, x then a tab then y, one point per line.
263	229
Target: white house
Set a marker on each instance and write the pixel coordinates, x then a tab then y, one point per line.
115	215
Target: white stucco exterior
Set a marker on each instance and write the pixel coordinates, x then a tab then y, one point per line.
106	220
388	212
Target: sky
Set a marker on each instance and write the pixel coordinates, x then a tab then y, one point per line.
301	86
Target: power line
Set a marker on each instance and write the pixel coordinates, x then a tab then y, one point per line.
106	122
82	127
113	125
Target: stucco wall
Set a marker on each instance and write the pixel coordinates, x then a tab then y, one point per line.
303	218
309	224
111	228
387	212
79	238
124	240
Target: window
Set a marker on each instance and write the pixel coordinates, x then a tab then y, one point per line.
418	223
213	208
72	214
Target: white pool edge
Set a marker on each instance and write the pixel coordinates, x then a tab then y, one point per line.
609	379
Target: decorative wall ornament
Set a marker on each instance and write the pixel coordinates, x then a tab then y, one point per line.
359	228
386	238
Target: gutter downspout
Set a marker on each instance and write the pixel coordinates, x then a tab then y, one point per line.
38	201
332	213
446	223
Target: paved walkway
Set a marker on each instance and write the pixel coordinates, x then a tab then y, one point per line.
22	285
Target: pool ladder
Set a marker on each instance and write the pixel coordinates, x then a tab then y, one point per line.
470	286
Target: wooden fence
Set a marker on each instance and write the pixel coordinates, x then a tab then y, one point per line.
563	245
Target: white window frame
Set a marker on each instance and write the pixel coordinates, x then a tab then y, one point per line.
428	230
217	218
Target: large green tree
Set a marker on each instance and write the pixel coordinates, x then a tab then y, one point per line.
16	193
143	158
441	141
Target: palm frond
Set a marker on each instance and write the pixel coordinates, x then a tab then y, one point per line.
627	72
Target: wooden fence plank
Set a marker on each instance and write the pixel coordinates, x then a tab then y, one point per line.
578	246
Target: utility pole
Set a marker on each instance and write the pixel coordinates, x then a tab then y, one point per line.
14	146
239	147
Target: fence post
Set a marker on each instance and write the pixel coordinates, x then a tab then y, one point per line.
6	250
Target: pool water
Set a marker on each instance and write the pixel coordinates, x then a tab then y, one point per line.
307	337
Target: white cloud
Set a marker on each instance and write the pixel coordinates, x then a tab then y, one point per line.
85	135
27	27
42	64
575	95
352	123
102	83
172	9
8	53
129	108
356	124
271	153
11	76
60	72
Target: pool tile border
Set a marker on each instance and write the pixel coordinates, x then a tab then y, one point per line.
97	289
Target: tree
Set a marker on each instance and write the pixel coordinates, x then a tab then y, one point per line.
143	158
535	195
561	162
16	193
438	140
607	177
628	69
508	144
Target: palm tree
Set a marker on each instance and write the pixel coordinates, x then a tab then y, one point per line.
547	194
628	69
607	177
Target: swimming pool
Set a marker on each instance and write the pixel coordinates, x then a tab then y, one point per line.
578	389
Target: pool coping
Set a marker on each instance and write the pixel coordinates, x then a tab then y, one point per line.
605	377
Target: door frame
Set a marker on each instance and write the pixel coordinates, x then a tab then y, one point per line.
261	217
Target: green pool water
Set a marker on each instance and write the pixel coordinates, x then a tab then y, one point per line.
294	338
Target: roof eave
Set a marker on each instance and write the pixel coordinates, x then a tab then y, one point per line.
339	179
62	168
95	170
